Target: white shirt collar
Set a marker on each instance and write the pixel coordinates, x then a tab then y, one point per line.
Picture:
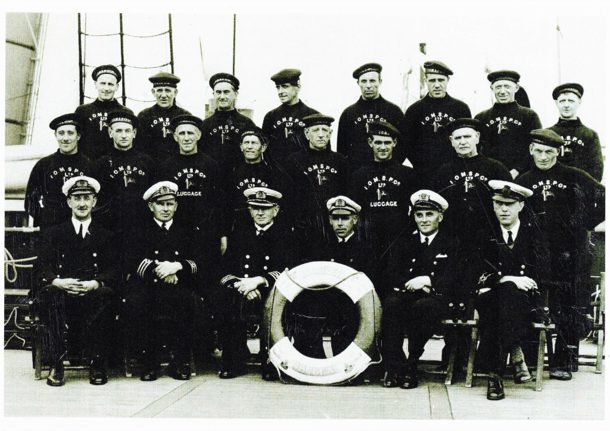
263	228
422	238
76	223
346	239
514	230
168	224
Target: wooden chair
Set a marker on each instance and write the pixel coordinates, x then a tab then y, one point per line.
457	326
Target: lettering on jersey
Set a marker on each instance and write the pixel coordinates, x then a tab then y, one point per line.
321	172
367	118
65	173
248	183
548	188
437	120
101	118
165	122
189	194
128	173
289	123
224	130
469	179
382	187
502	123
191	177
568	142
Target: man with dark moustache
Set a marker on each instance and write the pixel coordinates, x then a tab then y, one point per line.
319	174
284	125
568	203
77	271
421	274
512	268
463	181
168	267
258	252
221	132
581	147
93	116
506	125
353	133
155	136
426	121
44	200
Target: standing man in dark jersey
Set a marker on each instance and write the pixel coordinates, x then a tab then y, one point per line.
221	132
352	138
581	147
426	121
44	200
93	116
155	136
284	125
506	125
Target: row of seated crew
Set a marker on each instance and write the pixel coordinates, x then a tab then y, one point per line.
168	265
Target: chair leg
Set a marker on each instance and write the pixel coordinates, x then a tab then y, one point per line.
474	338
540	362
600	351
37	352
450	365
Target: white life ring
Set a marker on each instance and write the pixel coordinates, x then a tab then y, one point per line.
349	363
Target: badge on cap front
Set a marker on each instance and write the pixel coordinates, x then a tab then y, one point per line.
340	203
260	195
424	197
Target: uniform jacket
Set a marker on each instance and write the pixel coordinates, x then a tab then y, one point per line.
65	254
154	135
221	135
95	141
44	200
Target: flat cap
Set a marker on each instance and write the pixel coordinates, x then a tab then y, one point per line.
568	87
122	117
80	185
262	197
507	190
427	199
185	119
342	205
224	77
286	76
461	123
509	75
365	68
254	131
437	67
106	69
315	119
546	137
162	190
382	128
164	79
65	120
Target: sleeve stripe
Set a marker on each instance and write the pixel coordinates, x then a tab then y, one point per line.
274	274
143	266
193	266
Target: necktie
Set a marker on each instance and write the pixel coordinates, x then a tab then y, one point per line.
164	226
426	241
510	242
80	230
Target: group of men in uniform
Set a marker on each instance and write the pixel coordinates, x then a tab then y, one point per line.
170	208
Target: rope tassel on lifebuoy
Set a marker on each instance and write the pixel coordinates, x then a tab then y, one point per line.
317	276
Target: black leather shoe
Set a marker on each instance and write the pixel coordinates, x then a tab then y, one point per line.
97	374
226	373
269	373
495	389
56	375
521	374
148	375
560	374
391	380
179	371
409	381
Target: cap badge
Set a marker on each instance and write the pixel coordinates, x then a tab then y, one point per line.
261	195
424	197
340	203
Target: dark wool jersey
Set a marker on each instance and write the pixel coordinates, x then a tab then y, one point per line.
283	126
154	135
463	182
505	134
567	201
352	137
581	147
428	145
221	136
124	176
95	141
199	188
44	200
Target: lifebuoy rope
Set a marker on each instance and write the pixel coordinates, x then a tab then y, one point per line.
322	288
12	264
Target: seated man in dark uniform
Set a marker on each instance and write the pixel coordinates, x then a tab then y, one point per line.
167	265
422	272
77	274
511	265
256	255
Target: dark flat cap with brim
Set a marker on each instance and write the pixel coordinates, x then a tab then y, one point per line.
163	190
164	79
65	120
437	67
546	137
507	191
224	77
568	87
80	185
427	199
461	123
315	119
286	76
186	119
382	128
365	68
106	69
262	197
509	75
254	131
122	117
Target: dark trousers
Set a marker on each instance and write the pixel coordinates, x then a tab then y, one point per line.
415	313
145	309
71	320
505	319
